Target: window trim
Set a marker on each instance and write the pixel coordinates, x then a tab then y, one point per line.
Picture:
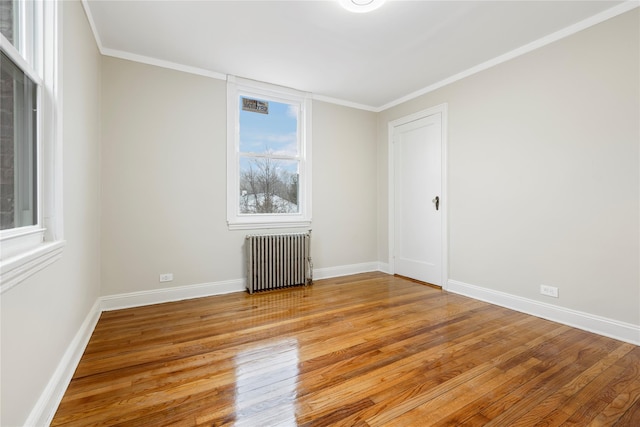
235	221
27	250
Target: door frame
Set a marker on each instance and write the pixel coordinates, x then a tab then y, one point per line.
442	109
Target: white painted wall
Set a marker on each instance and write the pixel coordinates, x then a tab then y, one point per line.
164	182
344	186
544	172
41	315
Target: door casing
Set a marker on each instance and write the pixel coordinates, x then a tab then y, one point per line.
444	198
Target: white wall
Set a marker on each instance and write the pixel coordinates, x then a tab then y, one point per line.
344	186
164	182
41	315
544	172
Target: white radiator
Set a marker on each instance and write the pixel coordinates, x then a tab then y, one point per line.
278	261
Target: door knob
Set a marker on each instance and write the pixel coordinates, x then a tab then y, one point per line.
437	202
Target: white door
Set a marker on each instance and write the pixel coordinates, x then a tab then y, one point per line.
417	151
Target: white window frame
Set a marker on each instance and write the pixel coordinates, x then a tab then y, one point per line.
237	87
26	250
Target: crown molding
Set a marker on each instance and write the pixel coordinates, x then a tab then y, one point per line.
162	63
551	38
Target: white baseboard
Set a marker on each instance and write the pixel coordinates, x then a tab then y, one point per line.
345	270
158	296
589	322
384	267
46	406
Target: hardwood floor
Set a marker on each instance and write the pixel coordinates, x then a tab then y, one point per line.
364	350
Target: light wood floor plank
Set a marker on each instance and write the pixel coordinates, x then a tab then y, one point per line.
364	350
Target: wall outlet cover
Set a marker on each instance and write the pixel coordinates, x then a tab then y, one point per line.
166	277
550	291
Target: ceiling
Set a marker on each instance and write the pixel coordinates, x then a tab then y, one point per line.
370	61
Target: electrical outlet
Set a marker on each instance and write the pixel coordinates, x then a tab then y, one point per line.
166	277
550	291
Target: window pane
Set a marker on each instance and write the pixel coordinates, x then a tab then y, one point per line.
9	21
268	186
18	101
268	127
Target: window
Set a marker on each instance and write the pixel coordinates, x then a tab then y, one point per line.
27	140
18	189
268	156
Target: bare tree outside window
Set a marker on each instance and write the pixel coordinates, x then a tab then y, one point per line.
267	187
269	157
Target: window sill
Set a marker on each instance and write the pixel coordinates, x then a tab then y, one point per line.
267	225
18	268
